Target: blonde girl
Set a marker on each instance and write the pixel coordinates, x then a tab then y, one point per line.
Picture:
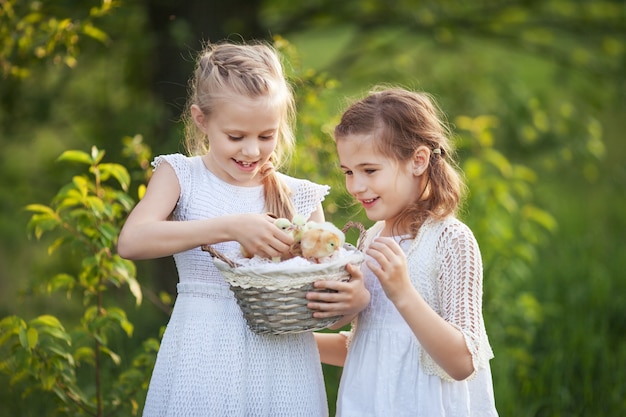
420	347
239	128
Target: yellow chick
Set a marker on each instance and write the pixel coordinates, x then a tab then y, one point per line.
320	241
283	224
298	224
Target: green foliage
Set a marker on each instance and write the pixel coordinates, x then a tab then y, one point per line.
41	354
510	229
586	35
44	30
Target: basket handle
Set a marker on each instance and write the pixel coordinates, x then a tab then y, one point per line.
217	254
362	232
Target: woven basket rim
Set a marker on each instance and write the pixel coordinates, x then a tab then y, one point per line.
246	276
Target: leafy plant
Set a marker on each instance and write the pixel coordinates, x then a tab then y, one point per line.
42	354
42	30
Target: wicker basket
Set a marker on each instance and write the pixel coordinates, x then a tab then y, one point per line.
273	300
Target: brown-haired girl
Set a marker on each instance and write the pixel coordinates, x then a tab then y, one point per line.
420	347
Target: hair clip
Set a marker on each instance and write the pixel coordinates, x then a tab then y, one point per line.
437	151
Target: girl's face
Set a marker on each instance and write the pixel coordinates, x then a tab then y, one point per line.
383	186
242	134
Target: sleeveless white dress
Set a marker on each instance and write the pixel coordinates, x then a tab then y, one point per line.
387	373
209	362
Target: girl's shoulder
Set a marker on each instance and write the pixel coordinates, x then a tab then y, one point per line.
441	233
176	160
306	195
449	224
185	167
298	181
452	234
304	186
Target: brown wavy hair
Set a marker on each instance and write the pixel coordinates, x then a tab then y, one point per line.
405	120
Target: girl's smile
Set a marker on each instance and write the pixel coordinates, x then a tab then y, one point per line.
369	202
246	166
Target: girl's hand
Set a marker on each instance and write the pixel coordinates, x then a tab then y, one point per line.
390	267
258	235
351	297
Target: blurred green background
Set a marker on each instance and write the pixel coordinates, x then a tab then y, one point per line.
535	92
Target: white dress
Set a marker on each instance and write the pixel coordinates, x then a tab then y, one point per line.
386	372
209	362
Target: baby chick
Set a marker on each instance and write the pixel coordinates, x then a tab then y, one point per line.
320	241
283	224
298	225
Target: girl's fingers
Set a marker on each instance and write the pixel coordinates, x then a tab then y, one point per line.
345	297
325	314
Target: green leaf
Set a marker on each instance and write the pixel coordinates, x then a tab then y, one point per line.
60	281
165	297
499	161
62	353
47	320
47	381
542	217
10	326
82	186
119	172
108	231
32	336
96	206
41	223
114	356
84	354
135	289
75	156
120	316
56	244
24	338
40	208
19	376
95	33
141	191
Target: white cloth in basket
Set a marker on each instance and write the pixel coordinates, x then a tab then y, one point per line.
210	363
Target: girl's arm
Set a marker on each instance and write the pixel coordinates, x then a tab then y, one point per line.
149	232
351	297
332	347
318	215
444	342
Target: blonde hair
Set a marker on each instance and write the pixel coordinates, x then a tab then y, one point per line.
225	71
405	120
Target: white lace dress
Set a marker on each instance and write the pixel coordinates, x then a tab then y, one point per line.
210	363
386	372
